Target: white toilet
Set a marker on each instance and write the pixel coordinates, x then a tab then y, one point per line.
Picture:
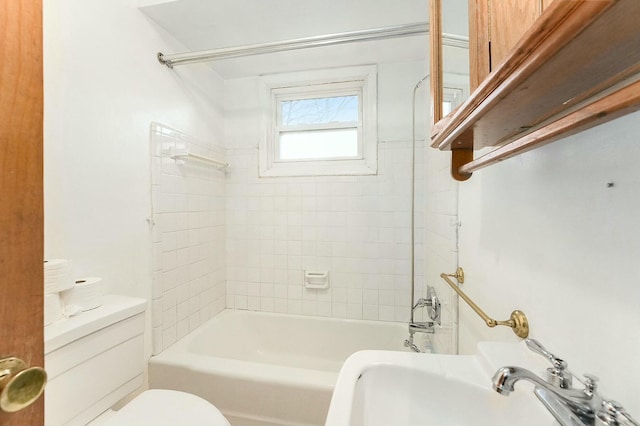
160	407
96	359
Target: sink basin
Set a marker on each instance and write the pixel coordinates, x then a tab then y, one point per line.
383	388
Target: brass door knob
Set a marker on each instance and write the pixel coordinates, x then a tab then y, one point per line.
19	386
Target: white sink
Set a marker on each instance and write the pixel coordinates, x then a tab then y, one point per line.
384	388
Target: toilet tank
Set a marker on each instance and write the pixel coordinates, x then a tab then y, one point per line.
93	360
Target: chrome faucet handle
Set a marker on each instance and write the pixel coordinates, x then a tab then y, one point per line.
432	303
590	383
434	308
537	347
613	414
557	375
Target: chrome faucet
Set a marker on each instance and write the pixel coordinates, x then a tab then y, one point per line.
432	303
570	406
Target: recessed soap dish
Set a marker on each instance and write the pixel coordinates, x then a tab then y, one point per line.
316	279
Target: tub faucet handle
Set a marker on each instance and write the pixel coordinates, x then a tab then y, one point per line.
557	375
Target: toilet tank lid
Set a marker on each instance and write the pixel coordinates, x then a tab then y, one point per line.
114	308
160	407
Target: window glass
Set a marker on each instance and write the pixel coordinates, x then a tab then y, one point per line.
452	97
314	144
336	109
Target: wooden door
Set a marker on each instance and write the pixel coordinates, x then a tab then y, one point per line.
21	205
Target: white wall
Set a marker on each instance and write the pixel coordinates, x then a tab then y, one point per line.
546	233
103	87
355	227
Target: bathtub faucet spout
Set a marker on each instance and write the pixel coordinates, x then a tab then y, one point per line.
422	327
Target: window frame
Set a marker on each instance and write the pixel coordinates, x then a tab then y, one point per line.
361	81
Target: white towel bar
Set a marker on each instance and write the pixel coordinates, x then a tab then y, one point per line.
202	158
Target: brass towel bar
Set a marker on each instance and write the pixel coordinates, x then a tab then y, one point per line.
518	320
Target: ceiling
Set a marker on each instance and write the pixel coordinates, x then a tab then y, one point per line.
210	24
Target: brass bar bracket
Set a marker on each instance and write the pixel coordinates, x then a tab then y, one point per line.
518	320
458	275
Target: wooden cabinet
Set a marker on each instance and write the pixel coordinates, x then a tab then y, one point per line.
537	79
495	27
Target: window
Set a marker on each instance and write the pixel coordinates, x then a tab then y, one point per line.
319	123
455	91
452	97
318	127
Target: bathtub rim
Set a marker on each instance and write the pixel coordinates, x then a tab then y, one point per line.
179	355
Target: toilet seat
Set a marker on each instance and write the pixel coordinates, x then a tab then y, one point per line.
160	407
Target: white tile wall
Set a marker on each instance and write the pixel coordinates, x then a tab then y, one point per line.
188	198
357	228
441	250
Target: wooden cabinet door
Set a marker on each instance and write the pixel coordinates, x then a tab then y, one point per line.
495	26
508	21
479	53
21	205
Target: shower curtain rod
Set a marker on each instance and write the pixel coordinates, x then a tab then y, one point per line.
307	42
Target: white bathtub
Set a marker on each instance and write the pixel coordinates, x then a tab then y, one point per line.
269	369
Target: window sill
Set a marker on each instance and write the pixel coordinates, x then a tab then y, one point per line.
319	168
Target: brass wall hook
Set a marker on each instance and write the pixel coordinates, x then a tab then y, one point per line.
517	321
